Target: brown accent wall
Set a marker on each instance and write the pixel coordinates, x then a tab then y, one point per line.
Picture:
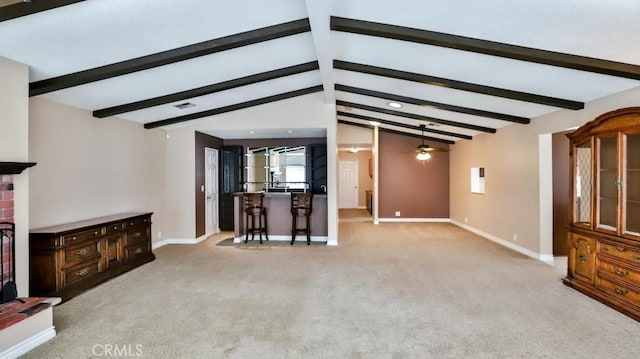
407	185
202	141
365	183
561	192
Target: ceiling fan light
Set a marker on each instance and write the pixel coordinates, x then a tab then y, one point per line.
423	156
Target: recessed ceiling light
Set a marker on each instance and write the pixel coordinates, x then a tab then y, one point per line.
289	131
184	105
252	132
394	104
374	123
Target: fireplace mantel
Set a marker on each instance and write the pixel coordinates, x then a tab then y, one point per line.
14	168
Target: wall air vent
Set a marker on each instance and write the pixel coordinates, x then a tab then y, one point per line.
184	105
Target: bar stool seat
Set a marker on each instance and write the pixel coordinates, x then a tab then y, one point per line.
301	206
256	214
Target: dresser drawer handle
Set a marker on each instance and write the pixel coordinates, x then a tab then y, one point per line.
620	249
82	252
115	228
82	272
139	250
96	233
137	234
620	272
620	291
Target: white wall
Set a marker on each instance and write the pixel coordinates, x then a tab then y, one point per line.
353	135
89	167
181	178
511	203
14	132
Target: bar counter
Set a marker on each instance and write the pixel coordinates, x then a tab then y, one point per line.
278	207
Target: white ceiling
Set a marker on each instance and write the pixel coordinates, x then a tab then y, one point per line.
90	34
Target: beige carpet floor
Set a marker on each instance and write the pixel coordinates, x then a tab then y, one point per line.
395	290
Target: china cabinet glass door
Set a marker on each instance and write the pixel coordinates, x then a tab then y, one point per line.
632	185
583	185
608	183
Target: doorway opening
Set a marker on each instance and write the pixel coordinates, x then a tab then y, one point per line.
355	185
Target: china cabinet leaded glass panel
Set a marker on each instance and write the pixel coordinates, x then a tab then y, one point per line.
608	183
583	185
632	185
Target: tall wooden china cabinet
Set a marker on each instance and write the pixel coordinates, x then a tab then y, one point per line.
604	239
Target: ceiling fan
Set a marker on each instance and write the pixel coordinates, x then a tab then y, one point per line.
423	150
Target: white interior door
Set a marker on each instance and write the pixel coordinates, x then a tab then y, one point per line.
211	190
348	184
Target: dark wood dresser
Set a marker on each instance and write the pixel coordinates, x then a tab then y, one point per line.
604	239
67	259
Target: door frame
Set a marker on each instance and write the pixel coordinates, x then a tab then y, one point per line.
211	183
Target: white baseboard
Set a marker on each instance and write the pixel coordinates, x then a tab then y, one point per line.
414	219
167	241
301	237
505	243
29	344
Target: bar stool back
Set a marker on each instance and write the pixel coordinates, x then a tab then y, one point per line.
256	214
301	206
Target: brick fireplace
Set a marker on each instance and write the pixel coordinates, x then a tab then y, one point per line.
6	234
7	224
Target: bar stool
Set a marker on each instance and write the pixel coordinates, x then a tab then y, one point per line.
253	209
301	204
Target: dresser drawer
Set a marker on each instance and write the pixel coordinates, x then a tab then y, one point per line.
81	272
115	228
140	221
618	271
620	251
82	252
137	235
136	251
83	236
620	291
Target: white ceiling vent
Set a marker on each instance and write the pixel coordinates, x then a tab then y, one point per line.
184	105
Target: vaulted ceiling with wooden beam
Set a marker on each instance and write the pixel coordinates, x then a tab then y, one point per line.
456	68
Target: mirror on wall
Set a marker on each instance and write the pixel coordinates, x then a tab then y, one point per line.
276	169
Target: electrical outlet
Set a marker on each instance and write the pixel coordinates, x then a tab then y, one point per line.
159	235
397	213
466	220
515	237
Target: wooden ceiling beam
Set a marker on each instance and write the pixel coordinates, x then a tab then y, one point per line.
408	134
234	107
416	117
170	56
432	104
486	47
206	90
20	8
403	125
457	85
